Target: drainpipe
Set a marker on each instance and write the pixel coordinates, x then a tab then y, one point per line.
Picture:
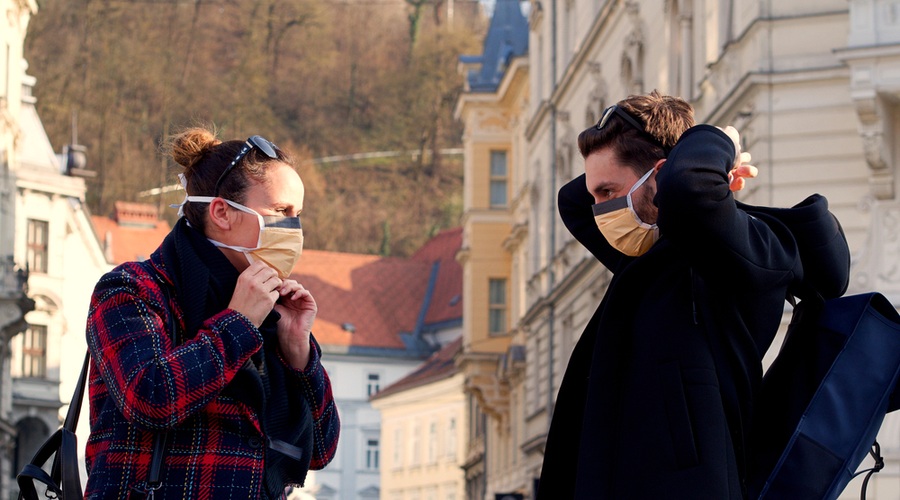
551	278
487	465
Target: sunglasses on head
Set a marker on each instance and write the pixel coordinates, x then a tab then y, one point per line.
616	110
257	142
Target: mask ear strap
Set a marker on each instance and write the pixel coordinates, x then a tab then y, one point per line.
640	181
259	218
631	204
637	185
180	206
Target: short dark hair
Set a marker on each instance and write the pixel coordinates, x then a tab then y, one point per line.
664	118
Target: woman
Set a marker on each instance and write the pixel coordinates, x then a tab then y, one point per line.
203	362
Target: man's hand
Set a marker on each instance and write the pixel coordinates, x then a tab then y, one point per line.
298	309
741	170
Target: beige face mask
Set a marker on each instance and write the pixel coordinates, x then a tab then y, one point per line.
279	248
621	225
280	241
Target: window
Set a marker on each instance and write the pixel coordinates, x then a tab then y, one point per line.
497	306
372	454
432	443
570	21
476	420
34	352
415	458
36	253
680	49
373	384
498	179
398	442
451	438
6	80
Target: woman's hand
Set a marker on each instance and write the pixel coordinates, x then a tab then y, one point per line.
298	309
255	293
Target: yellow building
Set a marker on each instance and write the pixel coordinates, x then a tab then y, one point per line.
492	110
423	431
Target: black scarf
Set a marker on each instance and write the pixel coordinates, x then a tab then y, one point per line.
204	281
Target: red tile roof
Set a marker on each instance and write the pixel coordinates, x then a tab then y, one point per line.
380	298
446	303
439	366
377	296
133	234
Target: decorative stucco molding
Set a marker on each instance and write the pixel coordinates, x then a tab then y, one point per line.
877	265
875	118
633	52
565	147
598	96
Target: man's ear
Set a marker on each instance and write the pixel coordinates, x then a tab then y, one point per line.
659	164
219	215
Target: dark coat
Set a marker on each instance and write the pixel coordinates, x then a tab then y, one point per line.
658	395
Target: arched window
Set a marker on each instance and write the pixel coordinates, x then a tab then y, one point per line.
30	434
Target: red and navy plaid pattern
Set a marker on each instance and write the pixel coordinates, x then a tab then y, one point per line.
141	383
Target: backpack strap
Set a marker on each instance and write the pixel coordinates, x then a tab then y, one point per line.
879	464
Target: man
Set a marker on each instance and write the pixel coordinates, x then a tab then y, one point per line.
657	399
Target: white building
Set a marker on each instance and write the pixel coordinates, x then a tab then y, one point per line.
48	229
812	85
13	302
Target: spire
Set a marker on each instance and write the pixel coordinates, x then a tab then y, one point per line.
507	38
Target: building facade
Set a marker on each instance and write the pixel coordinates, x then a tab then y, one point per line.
379	318
422	432
47	230
13	301
811	85
496	202
54	236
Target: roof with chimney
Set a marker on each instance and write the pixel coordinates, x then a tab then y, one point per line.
132	233
506	39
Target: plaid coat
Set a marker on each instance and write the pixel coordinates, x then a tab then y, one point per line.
141	383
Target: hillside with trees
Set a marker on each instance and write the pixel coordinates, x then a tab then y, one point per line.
320	78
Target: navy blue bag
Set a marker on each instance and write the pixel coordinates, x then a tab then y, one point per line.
824	397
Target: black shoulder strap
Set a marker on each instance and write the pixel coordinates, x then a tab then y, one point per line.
159	441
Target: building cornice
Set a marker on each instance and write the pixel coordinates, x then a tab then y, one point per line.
574	68
867	52
537	120
580	58
486	216
518	67
565	285
535	444
728	105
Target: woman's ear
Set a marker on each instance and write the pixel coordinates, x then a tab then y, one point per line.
219	215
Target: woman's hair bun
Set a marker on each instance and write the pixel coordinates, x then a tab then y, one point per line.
189	146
